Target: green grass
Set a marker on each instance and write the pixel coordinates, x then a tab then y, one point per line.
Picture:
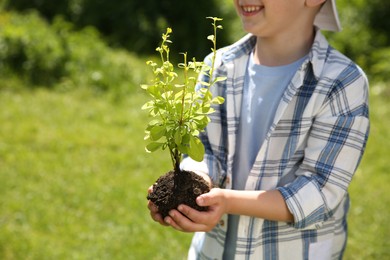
74	176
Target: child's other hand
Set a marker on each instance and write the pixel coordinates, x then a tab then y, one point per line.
187	219
156	216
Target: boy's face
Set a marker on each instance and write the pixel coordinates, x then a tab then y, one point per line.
266	18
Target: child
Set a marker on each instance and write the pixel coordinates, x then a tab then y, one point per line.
284	146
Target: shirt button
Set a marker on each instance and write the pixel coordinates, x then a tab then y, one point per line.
222	222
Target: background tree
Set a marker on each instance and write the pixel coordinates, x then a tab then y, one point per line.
137	25
365	37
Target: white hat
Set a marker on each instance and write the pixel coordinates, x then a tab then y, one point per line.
327	18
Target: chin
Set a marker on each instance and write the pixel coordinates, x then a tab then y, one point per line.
250	29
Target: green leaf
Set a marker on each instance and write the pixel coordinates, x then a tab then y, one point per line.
201	121
214	18
204	83
147	105
218	100
183	149
184	144
205	110
153	90
167	94
178	137
207	96
196	150
153	146
200	118
179	95
156	132
153	122
151	63
203	90
218	79
211	38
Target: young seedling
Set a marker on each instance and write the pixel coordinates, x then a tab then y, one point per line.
179	109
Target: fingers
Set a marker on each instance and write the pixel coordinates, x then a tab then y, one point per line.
192	214
182	223
150	189
156	216
187	219
210	198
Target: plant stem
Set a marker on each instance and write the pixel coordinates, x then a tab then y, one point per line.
214	49
184	88
177	160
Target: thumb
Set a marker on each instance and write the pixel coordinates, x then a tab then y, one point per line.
207	199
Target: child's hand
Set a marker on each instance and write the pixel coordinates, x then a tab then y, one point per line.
156	216
187	219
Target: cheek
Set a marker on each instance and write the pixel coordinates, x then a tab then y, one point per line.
236	6
283	14
284	7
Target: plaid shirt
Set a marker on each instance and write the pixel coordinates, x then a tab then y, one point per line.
310	154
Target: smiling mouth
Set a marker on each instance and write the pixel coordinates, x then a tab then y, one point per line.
250	9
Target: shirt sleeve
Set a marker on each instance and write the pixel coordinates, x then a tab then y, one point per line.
334	149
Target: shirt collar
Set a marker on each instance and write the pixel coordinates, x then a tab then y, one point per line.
317	55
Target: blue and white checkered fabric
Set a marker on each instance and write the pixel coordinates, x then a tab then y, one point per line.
310	155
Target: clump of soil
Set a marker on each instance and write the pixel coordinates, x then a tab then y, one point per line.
173	189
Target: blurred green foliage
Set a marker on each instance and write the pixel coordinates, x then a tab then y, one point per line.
137	25
30	47
365	37
54	54
85	40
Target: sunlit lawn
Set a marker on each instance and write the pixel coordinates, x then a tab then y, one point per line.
74	175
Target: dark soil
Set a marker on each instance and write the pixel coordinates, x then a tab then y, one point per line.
173	189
